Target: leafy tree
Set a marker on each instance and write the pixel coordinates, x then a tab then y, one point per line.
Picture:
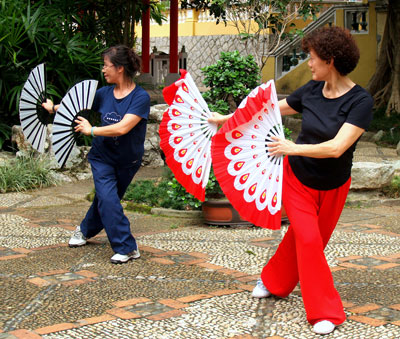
263	25
385	83
68	35
32	33
113	21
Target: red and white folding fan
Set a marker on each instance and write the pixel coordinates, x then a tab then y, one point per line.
186	135
77	102
34	118
249	176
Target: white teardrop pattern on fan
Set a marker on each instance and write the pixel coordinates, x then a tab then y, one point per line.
271	107
256	173
78	99
32	95
191	133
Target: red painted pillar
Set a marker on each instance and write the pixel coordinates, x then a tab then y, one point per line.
146	39
173	37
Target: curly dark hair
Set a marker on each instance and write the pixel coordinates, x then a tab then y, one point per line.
124	56
334	42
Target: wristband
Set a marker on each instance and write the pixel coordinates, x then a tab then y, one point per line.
92	131
54	110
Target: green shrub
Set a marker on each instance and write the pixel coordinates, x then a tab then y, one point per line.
178	198
165	193
287	133
147	192
24	173
229	81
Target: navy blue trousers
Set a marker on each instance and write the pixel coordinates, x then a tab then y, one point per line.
106	210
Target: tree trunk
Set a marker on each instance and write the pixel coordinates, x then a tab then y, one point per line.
133	40
384	85
394	100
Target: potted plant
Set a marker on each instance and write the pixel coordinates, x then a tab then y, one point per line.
217	210
229	81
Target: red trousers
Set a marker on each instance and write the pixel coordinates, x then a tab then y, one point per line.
313	216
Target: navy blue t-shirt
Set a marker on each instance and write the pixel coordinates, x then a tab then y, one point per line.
321	120
127	149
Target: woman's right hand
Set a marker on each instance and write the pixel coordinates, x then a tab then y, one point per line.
49	106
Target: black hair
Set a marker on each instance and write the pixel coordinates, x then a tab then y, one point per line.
124	56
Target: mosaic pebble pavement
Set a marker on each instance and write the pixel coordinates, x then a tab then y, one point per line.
193	281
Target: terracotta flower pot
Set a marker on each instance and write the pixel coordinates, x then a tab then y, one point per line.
221	212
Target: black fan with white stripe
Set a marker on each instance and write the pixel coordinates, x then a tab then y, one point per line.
77	102
34	118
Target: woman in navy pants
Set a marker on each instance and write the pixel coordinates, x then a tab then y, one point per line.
116	153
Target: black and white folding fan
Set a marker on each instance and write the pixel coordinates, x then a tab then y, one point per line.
34	118
77	102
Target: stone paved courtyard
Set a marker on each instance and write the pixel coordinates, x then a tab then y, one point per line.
192	281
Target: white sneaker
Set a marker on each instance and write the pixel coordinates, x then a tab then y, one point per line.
260	291
77	239
323	327
123	258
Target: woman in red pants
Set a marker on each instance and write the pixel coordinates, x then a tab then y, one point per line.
335	113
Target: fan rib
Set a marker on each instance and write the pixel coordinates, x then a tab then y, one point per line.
37	82
32	95
63	135
35	124
78	98
192	168
28	102
63	125
67	149
25	90
257	197
32	115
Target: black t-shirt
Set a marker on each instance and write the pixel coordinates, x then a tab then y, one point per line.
321	120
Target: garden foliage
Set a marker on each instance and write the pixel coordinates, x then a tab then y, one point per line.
229	81
167	193
68	35
33	32
25	173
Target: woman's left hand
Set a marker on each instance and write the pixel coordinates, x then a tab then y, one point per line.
83	126
281	147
